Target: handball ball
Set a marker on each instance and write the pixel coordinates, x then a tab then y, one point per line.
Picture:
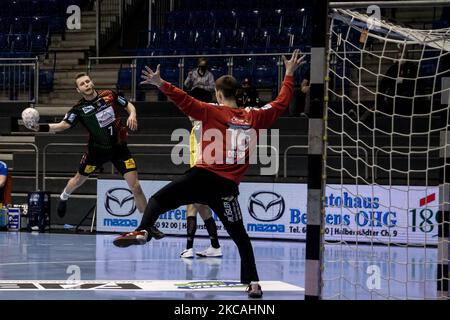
30	117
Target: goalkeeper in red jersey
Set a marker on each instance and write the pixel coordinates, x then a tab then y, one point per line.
216	183
99	112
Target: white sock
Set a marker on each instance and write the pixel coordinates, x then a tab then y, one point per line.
254	282
64	196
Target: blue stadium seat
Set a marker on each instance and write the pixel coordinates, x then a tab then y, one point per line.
165	38
25	79
124	79
201	19
181	38
5	45
264	72
45	80
39	43
6	24
272	18
21	25
238	40
260	41
177	19
171	74
39	24
263	76
225	19
218	70
20	43
284	41
2	78
241	72
249	19
203	38
297	18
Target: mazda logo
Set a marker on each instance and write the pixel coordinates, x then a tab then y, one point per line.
266	206
119	202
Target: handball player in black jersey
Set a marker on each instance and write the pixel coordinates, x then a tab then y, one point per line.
99	112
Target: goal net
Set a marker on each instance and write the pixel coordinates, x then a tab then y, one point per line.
387	195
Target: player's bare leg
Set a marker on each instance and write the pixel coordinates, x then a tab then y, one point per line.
74	183
139	198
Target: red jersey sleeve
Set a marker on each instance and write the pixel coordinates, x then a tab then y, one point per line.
188	105
268	114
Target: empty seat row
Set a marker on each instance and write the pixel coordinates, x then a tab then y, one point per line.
187	5
34	24
36	43
239	18
17	8
227	40
11	78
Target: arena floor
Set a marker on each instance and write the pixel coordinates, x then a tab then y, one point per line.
281	266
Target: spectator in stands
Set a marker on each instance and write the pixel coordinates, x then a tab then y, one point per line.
3	179
247	96
396	89
300	104
200	82
398	82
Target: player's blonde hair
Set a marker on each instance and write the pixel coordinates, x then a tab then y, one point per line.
78	76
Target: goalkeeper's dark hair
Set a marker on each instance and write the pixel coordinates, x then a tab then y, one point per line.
227	85
78	76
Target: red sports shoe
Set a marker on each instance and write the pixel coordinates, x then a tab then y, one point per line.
131	238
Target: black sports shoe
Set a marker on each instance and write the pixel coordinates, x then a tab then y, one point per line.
62	207
155	233
254	291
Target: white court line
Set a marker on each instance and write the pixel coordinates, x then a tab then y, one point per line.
141	285
133	261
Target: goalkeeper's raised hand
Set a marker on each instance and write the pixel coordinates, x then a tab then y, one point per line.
151	77
293	63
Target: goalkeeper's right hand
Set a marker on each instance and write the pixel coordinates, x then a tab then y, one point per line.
152	77
31	126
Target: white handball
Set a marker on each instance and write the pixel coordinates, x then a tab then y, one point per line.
30	117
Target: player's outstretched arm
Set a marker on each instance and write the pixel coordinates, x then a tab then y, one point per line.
51	127
269	113
187	104
132	118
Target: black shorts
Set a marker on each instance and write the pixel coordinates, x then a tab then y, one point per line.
119	155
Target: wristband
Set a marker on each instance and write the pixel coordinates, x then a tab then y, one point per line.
44	128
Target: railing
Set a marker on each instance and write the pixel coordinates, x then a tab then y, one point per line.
137	145
35	149
44	153
228	62
306	147
285	155
19	79
390	149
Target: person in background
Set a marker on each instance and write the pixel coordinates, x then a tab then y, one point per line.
247	96
300	104
200	82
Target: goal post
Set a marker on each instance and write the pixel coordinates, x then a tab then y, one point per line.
387	160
